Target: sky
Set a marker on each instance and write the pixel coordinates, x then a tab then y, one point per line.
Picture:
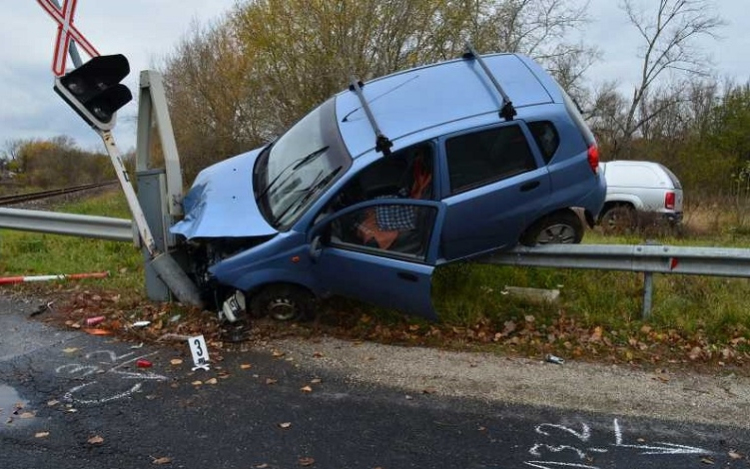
146	31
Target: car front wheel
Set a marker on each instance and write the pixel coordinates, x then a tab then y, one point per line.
557	228
283	303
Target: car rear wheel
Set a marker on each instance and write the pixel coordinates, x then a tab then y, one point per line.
557	228
283	303
618	219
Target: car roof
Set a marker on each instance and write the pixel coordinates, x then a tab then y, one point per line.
440	94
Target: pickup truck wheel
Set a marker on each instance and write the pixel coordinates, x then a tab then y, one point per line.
557	228
283	303
618	219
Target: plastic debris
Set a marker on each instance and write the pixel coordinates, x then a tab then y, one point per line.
95	320
554	359
143	363
98	331
141	323
42	309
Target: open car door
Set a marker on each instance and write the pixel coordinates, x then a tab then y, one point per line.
382	251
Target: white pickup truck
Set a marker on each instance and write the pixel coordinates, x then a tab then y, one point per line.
636	188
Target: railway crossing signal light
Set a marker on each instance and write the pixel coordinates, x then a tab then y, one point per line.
94	90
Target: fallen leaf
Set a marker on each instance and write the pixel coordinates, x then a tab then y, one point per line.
271	381
175	361
735	455
317	354
97	331
306	389
70	350
285	425
162	460
41	435
52	403
707	461
95	440
306	462
429	390
261	466
316	381
212	381
277	354
246	366
197	383
27	415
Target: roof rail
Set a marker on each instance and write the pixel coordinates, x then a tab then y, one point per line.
382	143
507	111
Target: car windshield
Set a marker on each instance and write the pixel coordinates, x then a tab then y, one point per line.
293	172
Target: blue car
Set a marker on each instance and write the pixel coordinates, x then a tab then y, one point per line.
369	192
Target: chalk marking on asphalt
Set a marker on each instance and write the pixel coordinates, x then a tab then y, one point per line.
583	435
555	449
73	368
69	395
549	464
664	449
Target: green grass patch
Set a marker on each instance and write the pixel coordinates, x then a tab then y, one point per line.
25	253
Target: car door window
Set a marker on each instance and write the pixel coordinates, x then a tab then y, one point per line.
546	137
394	229
479	158
405	174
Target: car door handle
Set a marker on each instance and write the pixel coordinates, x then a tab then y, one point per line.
530	186
408	276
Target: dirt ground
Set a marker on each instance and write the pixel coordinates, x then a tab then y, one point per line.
722	399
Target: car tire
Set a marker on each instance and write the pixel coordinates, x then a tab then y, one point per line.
283	303
557	228
618	219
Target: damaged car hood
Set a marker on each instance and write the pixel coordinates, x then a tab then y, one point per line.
221	202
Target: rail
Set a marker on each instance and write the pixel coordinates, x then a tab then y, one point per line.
19	198
646	258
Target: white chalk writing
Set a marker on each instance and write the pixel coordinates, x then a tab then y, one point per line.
98	391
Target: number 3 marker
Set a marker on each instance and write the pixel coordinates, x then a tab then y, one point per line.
199	351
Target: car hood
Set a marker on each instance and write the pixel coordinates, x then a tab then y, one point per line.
221	202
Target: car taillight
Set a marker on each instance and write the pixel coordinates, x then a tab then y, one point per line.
669	200
593	155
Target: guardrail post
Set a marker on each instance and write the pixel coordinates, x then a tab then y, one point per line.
648	293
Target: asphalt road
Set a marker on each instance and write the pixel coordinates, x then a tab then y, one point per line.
72	400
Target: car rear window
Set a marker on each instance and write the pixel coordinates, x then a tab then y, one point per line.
546	136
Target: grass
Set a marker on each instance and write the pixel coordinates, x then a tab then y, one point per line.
598	313
25	253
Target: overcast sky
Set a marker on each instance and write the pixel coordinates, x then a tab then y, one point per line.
146	30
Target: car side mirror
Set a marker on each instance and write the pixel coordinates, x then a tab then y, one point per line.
316	247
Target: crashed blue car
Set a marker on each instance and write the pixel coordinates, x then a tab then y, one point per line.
369	192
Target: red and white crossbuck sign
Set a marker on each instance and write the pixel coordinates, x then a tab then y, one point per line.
65	32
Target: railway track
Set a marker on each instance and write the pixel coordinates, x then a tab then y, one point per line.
31	196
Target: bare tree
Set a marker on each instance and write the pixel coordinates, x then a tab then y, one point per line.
669	33
239	82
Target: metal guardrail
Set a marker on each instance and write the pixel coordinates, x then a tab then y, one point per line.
88	226
646	258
